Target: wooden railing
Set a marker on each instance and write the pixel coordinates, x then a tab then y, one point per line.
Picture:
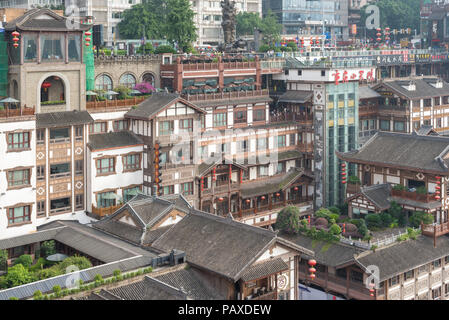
413	196
267	296
101	212
436	230
225	95
107	104
24	111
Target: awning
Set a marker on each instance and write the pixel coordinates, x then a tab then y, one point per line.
109	196
264	269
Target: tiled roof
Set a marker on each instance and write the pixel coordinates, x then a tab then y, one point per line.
65	118
220	245
113	140
264	269
403	151
378	194
296	96
424	88
366	92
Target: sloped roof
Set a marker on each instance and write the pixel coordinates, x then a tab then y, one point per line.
424	88
366	92
296	96
404	256
271	185
420	153
113	140
264	269
426	130
220	245
32	21
64	118
333	255
150	107
378	194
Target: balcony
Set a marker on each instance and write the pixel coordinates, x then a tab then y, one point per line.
102	212
113	104
11	113
225	95
435	230
426	198
267	296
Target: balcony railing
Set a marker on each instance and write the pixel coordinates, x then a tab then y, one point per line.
225	95
60	210
101	212
426	198
24	111
436	230
110	104
267	296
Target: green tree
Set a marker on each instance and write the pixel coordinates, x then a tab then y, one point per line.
246	22
25	260
180	25
3	260
80	262
288	220
165	49
48	248
271	28
373	221
18	275
420	217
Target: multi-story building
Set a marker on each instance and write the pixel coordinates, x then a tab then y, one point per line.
309	17
31	4
335	94
208	18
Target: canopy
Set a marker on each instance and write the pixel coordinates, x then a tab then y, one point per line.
110	92
91	93
57	257
9	100
109	196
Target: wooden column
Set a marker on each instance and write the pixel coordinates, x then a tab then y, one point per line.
255	204
270	201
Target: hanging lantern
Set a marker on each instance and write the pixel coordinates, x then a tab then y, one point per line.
15	34
296	188
317	41
278	194
46	85
312	262
213	174
88	33
308	219
344	227
312	270
241	175
220	199
263	197
15	44
311	41
87	39
248	201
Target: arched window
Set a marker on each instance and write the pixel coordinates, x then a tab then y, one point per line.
103	82
128	80
148	78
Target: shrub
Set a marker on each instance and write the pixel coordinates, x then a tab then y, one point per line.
335	229
264	48
420	217
288	220
333	216
48	273
57	289
122	91
144	87
335	210
148	48
17	275
421	190
373	221
80	262
13	298
37	295
40	263
25	260
323	213
292	45
3	260
48	248
164	49
399	187
98	277
117	272
353	180
386	219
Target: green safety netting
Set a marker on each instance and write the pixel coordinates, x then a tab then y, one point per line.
3	65
88	58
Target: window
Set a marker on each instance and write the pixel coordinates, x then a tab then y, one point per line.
60	135
259	115
40	136
74	47
323	73
106	199
223	148
186	124
103	82
356	276
168	190
40	208
299	72
131	162
130	193
436	264
263	171
105	166
409	275
292	139
423	269
166	128
385	125
59	170
282	141
79	167
220	119
40	173
394	281
240	117
120	125
163	157
79	202
79	133
242	146
52	47
187	188
262	143
19	215
399	126
30	47
436	293
18	141
280	168
18	178
98	127
128	80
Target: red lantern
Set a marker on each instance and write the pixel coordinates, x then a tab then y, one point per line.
87	44
263	197
88	33
15	39
220	199
311	41
15	44
343	165
437	197
248	201
87	39
46	85
213	174
312	262
344	227
312	276
343	173
296	188
15	34
312	270
278	194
